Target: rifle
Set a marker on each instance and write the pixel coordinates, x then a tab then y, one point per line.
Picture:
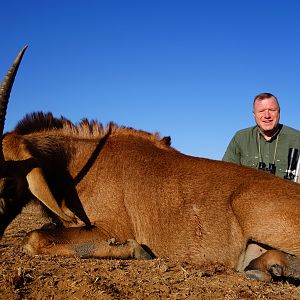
292	172
296	177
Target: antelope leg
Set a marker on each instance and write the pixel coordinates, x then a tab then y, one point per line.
82	242
272	264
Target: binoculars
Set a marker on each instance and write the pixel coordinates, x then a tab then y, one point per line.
271	169
290	173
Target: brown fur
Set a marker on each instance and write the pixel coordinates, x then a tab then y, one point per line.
127	184
132	186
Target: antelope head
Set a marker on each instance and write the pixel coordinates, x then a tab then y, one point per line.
21	177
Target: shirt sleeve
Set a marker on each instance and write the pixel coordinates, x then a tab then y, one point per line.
232	153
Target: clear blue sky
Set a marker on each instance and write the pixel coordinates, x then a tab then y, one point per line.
188	69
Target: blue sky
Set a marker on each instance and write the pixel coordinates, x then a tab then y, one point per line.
188	69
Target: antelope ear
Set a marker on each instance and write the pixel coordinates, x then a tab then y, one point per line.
40	189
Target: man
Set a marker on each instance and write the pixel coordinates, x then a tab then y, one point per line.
266	145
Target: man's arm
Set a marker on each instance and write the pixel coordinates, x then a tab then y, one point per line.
232	153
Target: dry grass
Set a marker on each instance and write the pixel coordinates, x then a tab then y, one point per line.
24	277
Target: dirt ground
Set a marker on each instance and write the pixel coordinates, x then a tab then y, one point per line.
25	277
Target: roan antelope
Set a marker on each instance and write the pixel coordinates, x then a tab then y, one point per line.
99	184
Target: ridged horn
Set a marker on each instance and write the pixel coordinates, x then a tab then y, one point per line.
5	89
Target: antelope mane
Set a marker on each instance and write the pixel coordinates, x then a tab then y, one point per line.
46	122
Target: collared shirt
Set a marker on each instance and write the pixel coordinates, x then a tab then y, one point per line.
248	147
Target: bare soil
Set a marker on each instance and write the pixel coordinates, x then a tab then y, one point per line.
44	277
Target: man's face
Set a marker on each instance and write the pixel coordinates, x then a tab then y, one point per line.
266	114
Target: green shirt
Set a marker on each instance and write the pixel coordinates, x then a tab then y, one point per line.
244	147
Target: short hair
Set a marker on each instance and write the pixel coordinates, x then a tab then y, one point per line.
263	96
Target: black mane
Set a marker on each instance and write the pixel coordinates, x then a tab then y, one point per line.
38	121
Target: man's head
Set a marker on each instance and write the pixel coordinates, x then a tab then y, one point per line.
266	111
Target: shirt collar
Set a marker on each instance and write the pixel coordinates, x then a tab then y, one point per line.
279	127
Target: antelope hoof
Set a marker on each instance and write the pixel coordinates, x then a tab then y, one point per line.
138	251
258	275
276	270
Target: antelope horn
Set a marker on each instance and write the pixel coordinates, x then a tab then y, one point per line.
5	89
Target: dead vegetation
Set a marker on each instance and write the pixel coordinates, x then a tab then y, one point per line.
25	277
